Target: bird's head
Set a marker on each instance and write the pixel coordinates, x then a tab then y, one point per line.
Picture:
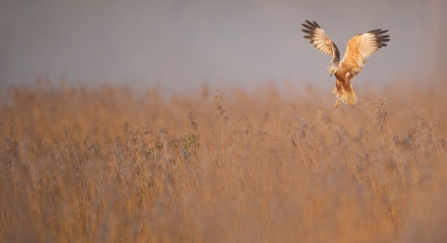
332	68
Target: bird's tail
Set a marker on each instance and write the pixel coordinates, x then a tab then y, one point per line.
345	93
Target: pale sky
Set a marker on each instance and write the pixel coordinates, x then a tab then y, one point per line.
181	43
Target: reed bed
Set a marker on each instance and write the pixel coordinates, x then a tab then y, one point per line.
111	164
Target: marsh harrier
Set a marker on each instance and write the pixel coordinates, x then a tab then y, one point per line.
359	48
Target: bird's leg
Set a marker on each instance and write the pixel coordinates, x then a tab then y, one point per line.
336	104
350	100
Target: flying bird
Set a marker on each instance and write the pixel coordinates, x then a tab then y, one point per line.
359	48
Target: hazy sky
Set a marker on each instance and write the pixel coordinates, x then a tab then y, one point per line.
181	43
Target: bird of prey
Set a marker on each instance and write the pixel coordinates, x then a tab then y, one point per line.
359	48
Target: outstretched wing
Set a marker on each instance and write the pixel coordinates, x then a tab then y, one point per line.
320	40
362	46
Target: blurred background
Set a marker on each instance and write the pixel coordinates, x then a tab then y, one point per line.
180	44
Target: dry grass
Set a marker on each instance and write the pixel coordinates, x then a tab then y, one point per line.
110	165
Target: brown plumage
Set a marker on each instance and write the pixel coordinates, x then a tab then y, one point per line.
359	48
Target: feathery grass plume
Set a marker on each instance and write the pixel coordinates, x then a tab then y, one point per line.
377	110
268	121
28	158
426	139
245	127
146	129
121	153
412	136
437	130
189	142
339	133
341	146
378	113
220	112
92	148
147	137
218	96
192	123
298	129
302	126
229	122
368	141
288	129
395	136
224	120
323	117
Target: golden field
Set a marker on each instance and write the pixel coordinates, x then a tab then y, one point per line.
111	164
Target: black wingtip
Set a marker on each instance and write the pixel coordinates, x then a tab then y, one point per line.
307	31
378	31
312	24
308	27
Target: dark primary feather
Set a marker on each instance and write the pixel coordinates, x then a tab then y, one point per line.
320	40
379	38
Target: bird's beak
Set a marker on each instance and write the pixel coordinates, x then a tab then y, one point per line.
330	75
